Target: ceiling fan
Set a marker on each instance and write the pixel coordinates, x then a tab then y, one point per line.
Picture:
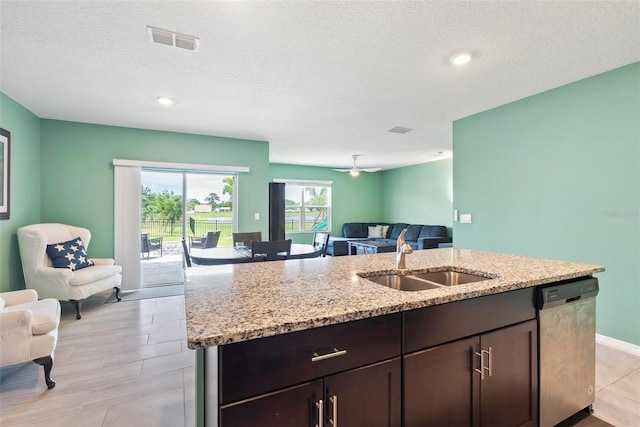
355	170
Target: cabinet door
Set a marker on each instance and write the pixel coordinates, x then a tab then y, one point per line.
441	387
509	393
292	407
368	396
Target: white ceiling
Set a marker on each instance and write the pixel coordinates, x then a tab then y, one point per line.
319	80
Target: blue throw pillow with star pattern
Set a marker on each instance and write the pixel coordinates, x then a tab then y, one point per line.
71	255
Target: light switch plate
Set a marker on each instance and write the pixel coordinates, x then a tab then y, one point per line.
465	218
256	216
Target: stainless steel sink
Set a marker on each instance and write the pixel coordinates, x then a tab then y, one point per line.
450	278
423	281
403	283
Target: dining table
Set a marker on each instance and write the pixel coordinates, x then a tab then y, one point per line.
240	254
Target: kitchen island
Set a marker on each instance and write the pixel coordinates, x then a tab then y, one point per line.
246	320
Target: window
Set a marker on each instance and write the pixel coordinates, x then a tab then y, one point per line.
307	205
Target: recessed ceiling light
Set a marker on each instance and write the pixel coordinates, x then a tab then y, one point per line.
164	100
461	58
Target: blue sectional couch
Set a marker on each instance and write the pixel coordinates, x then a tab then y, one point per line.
418	236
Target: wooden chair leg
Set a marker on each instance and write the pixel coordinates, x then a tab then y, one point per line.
47	363
78	305
117	290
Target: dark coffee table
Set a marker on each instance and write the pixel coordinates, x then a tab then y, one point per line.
370	247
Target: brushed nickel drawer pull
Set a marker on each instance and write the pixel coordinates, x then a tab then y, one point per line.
481	370
319	405
316	357
334	419
490	361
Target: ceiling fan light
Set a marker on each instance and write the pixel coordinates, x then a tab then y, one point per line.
354	172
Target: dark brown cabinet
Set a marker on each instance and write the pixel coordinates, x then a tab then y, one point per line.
485	380
465	363
348	374
368	396
294	406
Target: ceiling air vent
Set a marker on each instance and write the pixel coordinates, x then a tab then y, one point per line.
169	38
398	129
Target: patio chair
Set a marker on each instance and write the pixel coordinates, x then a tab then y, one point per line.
209	240
271	251
245	239
148	244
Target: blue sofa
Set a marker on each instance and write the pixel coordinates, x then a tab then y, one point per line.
418	236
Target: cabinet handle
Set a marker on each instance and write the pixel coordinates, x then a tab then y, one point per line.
334	404
319	405
481	370
316	357
482	367
490	361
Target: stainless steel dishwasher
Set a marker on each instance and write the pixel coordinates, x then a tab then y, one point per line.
567	332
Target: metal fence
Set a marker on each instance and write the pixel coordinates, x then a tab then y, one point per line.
198	227
166	228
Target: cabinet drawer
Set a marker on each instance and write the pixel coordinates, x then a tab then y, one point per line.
431	326
258	366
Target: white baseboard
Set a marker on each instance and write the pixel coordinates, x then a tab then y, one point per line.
627	347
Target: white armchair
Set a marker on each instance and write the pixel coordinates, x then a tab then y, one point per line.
63	283
28	330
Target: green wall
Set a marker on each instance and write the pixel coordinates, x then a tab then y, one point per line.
557	175
77	172
419	194
353	199
24	194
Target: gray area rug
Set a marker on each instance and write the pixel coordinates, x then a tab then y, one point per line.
155	292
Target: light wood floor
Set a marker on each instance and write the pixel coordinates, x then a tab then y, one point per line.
127	364
122	364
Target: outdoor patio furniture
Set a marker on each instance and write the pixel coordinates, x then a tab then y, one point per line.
149	244
245	239
209	240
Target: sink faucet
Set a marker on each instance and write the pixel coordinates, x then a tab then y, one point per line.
402	248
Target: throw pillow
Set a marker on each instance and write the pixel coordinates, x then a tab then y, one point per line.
375	232
71	254
385	230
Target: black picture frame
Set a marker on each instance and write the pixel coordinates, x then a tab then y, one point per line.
5	172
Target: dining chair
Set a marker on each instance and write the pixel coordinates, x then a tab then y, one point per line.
321	242
185	250
271	250
245	239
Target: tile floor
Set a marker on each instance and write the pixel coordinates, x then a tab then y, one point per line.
122	364
127	364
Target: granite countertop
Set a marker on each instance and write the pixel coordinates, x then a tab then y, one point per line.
232	303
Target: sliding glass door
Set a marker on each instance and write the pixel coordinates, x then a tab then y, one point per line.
176	205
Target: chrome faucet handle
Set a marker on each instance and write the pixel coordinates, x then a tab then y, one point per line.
402	248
